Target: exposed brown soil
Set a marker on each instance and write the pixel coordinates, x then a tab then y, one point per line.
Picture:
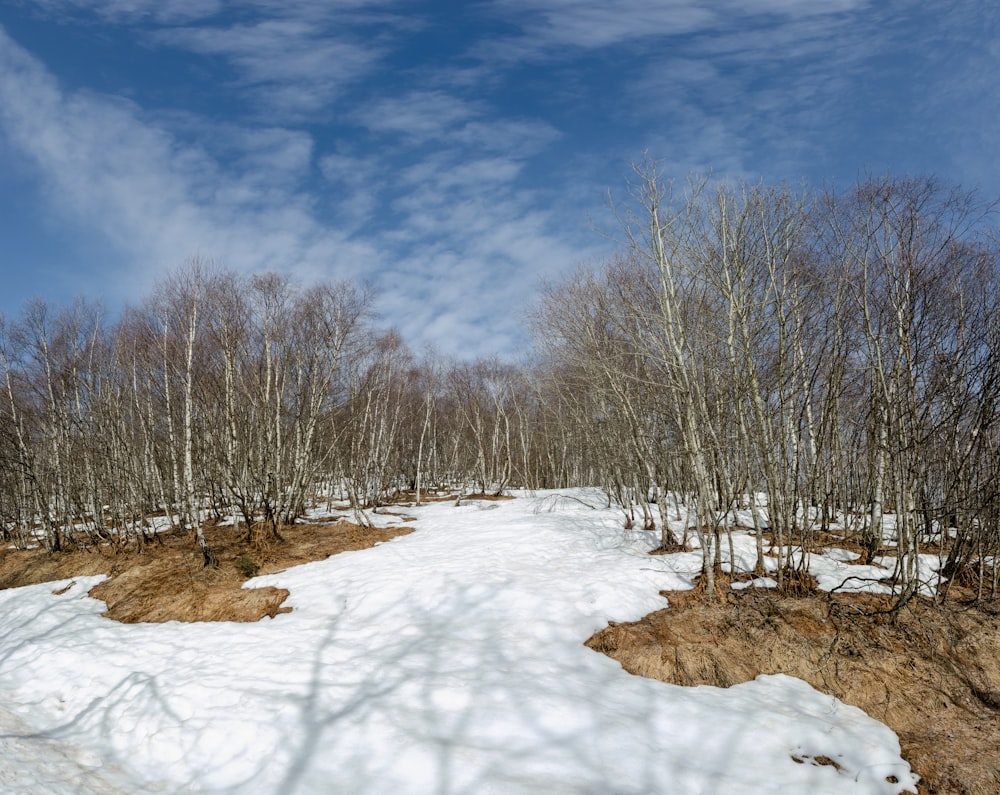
409	497
167	582
933	675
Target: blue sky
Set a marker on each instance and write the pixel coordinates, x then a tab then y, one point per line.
451	153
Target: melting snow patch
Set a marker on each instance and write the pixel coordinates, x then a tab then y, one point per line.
450	660
756	582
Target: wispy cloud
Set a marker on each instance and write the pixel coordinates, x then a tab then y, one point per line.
172	12
766	85
451	155
549	27
155	197
163	11
418	116
553	24
957	95
288	65
450	240
292	58
446	119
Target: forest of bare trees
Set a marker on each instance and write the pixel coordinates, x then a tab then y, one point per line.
807	358
224	396
813	359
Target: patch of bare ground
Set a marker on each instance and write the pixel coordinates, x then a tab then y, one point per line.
409	497
487	497
932	675
166	581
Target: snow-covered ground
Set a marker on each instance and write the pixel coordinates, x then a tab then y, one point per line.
447	661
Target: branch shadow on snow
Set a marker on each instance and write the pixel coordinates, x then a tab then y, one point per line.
438	690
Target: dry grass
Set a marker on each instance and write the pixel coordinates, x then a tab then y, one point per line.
933	675
487	497
166	581
409	497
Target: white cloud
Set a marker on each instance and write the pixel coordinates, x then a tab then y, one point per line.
525	138
293	58
443	118
356	186
592	23
353	155
157	199
439	176
548	25
162	11
419	116
765	93
184	11
288	65
451	242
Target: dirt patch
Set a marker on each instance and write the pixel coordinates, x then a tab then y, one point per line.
167	582
933	675
30	566
409	497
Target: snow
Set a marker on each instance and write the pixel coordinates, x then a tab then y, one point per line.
756	582
446	661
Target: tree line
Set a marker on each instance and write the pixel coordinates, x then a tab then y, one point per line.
811	358
224	396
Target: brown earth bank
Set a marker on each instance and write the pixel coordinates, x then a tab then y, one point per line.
932	675
166	581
